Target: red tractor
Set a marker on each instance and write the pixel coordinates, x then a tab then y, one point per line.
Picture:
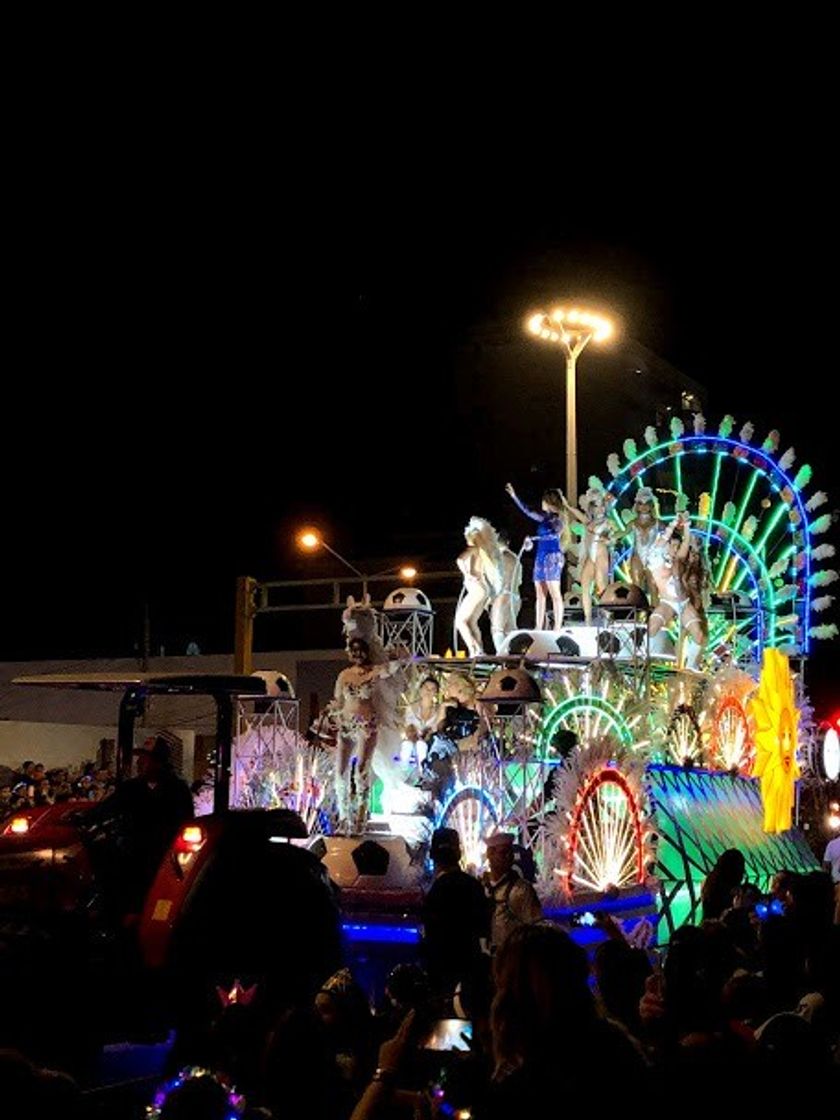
233	897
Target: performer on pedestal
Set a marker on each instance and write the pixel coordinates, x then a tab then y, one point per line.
646	526
680	576
552	540
504	607
597	538
358	728
481	566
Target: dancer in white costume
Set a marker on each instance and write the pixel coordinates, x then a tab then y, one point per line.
680	576
359	621
481	566
504	607
646	526
598	535
358	731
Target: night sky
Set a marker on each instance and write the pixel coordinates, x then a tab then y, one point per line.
202	362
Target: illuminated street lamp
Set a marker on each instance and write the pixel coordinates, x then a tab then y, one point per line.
570	328
310	539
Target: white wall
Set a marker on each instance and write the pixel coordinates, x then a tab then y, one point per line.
54	744
69	744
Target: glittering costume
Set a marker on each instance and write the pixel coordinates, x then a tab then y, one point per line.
358	731
680	577
597	537
480	566
661	561
504	609
548	557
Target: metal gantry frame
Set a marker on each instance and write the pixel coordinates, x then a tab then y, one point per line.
623	638
522	778
263	731
412	630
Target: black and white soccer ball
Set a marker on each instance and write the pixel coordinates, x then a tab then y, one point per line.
511	684
407	599
539	644
277	684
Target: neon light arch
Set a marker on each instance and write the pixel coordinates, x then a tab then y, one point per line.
605	836
752	567
775	542
574	714
472	813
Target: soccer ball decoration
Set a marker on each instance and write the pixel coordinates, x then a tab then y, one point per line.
623	595
277	684
405	600
512	684
540	644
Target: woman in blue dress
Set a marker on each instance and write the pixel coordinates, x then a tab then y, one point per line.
552	540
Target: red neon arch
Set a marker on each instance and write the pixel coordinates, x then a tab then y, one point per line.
615	777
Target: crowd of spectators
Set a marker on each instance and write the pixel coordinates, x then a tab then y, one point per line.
33	785
747	1002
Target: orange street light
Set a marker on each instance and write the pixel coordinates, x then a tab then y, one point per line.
310	539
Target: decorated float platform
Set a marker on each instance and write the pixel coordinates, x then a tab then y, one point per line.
623	771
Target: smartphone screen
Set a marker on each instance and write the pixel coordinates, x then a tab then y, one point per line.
449	1034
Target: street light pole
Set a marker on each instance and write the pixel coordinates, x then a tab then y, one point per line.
571	329
311	539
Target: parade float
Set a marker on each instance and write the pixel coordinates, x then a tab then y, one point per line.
624	766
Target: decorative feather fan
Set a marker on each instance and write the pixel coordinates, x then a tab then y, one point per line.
596	838
726	722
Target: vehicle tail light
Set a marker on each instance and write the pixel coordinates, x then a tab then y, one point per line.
17	826
191	839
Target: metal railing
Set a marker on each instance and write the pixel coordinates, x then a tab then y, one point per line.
340	586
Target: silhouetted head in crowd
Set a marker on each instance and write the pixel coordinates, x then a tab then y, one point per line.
542	993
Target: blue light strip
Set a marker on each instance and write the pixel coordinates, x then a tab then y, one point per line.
606	906
381	934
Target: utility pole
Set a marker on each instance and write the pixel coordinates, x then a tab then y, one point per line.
246	609
147	636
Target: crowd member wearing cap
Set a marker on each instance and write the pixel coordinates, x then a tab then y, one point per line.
513	901
455	916
145	813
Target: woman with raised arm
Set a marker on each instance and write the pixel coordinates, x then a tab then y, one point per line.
597	537
552	540
679	574
358	728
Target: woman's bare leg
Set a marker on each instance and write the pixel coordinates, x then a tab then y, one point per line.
539	621
466	620
361	809
602	574
556	603
694	633
586	576
341	780
659	618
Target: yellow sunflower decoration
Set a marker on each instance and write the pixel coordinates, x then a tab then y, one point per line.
775	715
